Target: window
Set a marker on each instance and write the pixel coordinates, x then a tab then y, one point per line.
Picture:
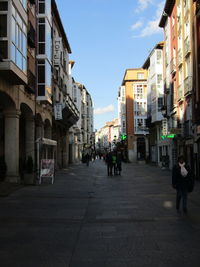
3	6
3	49
159	78
160	103
3	25
19	41
158	56
140	75
24	3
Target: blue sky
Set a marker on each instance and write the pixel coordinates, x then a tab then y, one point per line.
107	37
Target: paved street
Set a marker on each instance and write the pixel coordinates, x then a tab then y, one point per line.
87	219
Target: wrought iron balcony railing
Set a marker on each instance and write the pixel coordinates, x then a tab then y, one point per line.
188	85
187	46
180	92
173	65
180	57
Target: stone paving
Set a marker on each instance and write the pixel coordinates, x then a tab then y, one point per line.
87	219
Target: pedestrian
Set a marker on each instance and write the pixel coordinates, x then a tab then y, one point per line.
109	163
119	162
87	159
114	162
181	176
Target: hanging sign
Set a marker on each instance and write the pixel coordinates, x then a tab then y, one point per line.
57	51
58	111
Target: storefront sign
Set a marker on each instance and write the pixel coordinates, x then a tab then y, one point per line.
57	51
47	169
170	136
58	111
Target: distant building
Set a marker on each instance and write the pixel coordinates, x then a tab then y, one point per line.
134	85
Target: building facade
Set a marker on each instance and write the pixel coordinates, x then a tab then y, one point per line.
37	102
155	93
135	84
177	21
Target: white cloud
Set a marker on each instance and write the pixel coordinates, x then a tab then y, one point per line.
137	25
143	4
103	110
152	25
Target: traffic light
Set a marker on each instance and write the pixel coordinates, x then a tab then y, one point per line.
123	137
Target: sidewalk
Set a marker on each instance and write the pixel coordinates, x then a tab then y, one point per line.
7	188
89	219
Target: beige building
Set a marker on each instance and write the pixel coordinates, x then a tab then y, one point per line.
135	86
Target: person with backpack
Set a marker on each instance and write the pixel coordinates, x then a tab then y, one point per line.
183	182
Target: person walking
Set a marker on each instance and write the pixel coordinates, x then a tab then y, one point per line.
109	163
87	159
181	174
119	162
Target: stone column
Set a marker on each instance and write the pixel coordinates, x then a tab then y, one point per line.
12	145
30	140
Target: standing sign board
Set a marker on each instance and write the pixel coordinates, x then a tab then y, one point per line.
47	169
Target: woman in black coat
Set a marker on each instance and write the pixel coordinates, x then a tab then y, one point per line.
180	175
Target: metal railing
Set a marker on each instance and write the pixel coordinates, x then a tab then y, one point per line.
188	85
180	92
172	65
186	46
180	57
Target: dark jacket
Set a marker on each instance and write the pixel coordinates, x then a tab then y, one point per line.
179	181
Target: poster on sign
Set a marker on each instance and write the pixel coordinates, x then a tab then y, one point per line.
47	169
58	111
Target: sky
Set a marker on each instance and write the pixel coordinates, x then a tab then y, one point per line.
106	38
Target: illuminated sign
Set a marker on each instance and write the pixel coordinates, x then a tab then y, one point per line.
123	137
168	136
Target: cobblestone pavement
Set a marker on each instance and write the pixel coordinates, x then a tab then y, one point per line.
87	219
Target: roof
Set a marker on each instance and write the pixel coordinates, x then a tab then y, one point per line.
166	12
147	62
134	69
57	16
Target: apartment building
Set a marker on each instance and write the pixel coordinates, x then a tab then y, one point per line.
107	137
86	115
37	107
19	110
155	93
177	24
135	84
196	86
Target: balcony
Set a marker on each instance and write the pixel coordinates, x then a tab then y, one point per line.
70	113
180	93
187	46
12	73
180	57
188	85
173	65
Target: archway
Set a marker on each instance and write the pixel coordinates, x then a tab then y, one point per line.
26	137
141	148
9	136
